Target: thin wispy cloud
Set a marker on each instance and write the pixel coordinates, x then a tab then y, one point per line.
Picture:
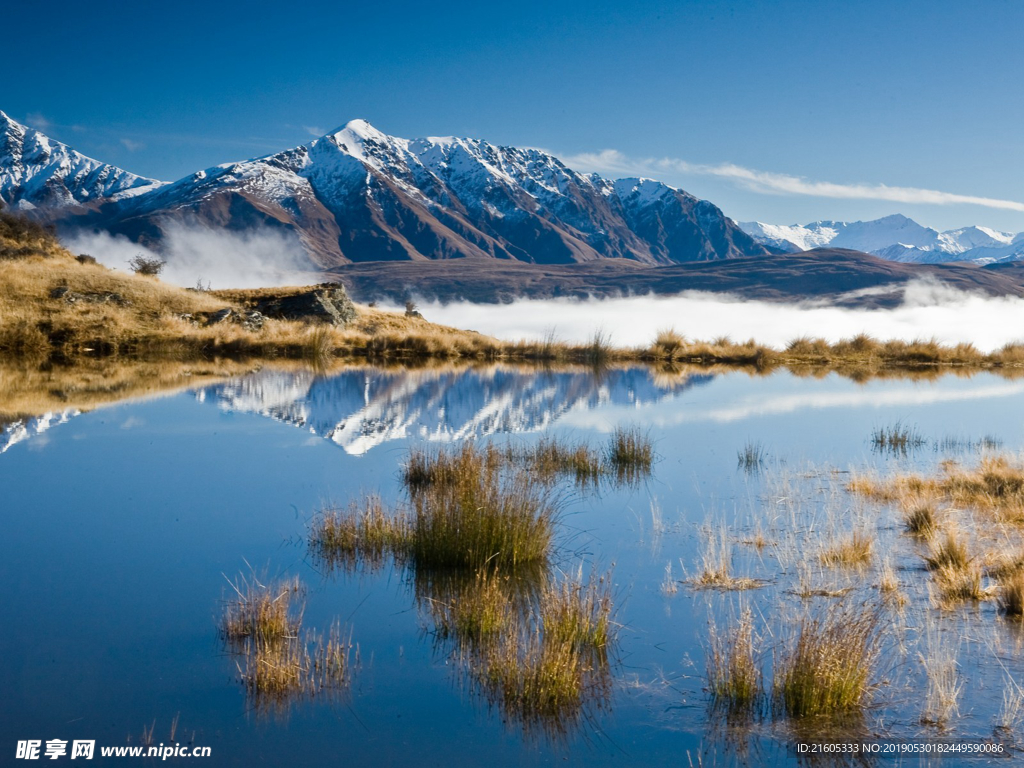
611	161
132	146
312	130
38	121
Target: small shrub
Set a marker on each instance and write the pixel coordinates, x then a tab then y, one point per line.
145	265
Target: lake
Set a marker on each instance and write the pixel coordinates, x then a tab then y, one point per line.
125	524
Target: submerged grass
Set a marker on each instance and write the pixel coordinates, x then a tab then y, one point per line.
276	674
897	439
752	457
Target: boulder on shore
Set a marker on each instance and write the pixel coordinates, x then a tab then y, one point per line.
328	303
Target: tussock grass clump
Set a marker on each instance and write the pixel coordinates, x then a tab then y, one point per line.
668	344
921	518
1011	595
364	532
631	453
543	661
997	483
889	585
716	562
552	457
956	584
827	668
539	684
734	677
448	466
490	516
261	613
950	552
853	550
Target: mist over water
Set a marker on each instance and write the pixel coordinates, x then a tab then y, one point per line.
216	257
928	310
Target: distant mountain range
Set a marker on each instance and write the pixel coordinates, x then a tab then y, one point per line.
896	238
357	194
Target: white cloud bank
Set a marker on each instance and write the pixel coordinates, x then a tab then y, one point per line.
217	257
611	161
928	310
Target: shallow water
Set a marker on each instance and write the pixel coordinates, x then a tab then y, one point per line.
122	525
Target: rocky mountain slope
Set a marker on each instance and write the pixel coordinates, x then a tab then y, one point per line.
357	194
38	172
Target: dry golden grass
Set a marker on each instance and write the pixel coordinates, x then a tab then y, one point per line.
852	550
951	551
995	485
1011	594
826	669
261	613
278	673
733	673
145	322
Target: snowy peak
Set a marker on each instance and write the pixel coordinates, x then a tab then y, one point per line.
37	171
359	194
894	237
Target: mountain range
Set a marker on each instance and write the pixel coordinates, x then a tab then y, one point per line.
895	237
357	194
451	218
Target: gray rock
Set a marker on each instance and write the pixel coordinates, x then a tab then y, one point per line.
328	303
220	316
100	297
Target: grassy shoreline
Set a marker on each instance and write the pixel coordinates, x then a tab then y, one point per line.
56	307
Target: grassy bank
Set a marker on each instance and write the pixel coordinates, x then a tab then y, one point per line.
56	305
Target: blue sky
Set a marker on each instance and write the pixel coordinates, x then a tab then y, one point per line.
753	105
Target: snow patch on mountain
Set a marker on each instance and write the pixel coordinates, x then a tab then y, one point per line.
37	171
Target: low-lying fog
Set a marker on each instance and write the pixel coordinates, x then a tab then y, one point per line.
928	310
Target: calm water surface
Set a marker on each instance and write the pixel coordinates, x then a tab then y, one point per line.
123	524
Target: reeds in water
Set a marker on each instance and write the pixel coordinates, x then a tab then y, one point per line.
734	677
827	668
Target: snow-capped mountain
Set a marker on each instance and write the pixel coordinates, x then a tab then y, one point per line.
357	194
895	237
38	172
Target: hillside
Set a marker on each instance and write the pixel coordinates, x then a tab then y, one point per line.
847	277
